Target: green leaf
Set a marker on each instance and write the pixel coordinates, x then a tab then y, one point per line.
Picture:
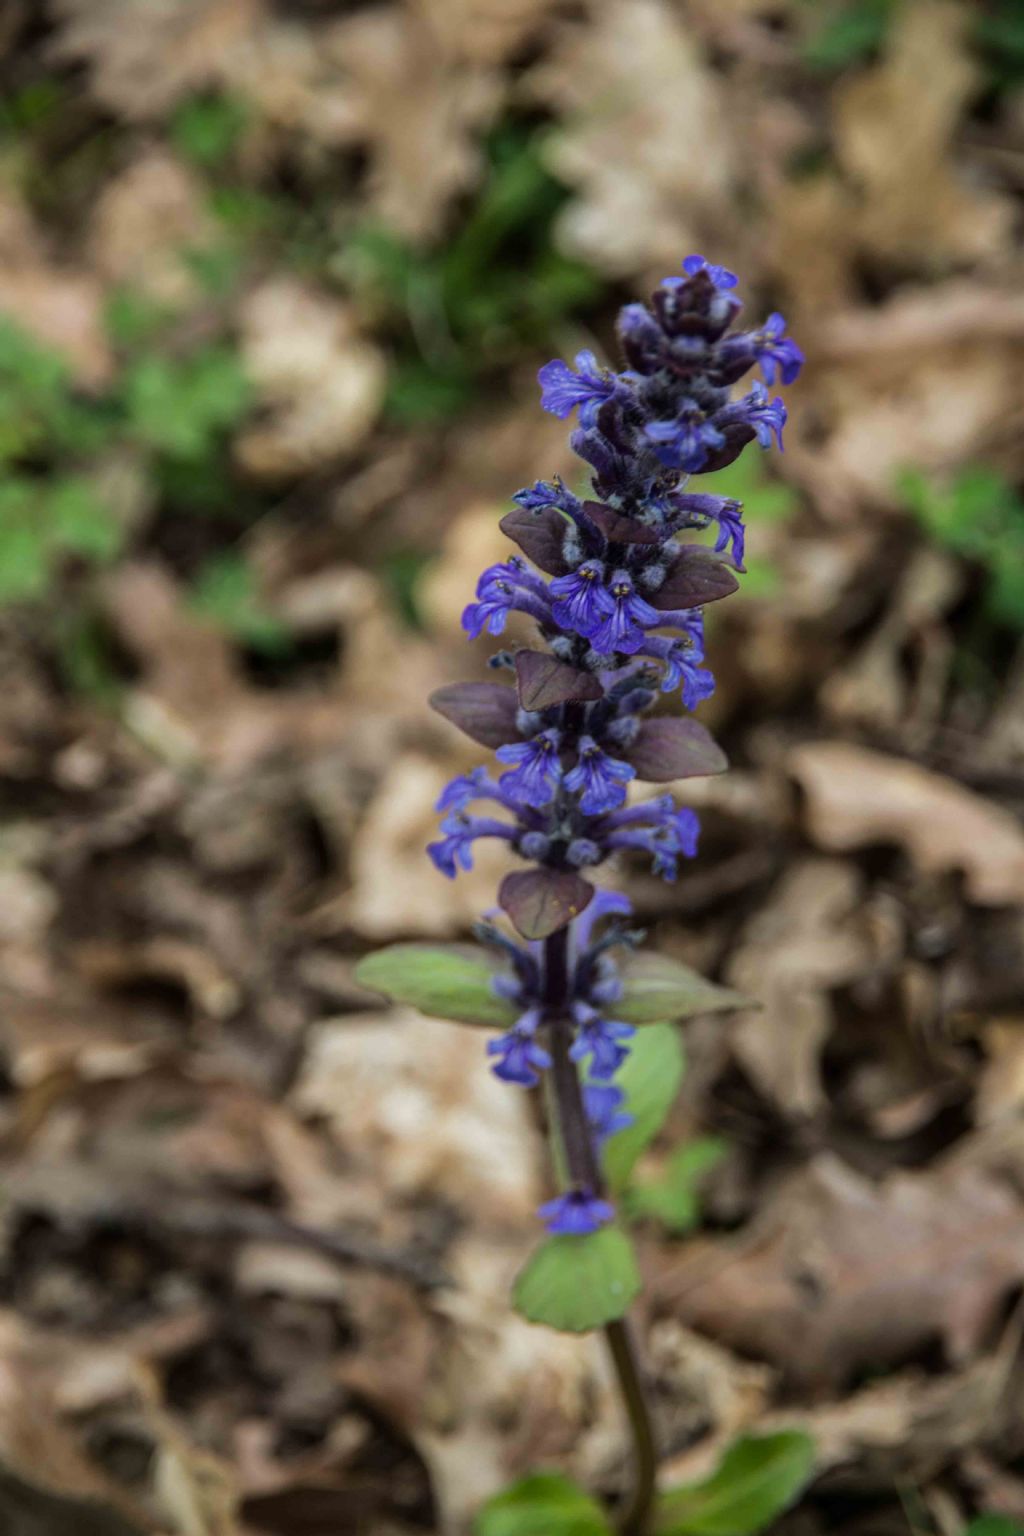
225	592
657	988
132	318
80	521
543	1505
24	558
999	34
180	407
418	392
650	1077
576	1284
672	1199
765	499
849	37
448	981
207	128
994	1525
757	1478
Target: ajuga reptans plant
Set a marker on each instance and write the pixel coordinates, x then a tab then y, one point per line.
615	582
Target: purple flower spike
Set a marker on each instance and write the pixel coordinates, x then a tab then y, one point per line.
604	904
660	828
603	1103
682	669
598	779
600	1039
731	532
623	629
685	443
616	588
490	614
562	390
720	276
537	768
577	1213
461	791
764	415
776	352
520	1058
455	851
583	602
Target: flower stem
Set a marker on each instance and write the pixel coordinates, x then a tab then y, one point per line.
634	1518
584	1168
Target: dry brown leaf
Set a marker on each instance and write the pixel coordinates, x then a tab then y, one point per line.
193	704
811	246
45	1036
1001	1087
838	1274
949	314
173	960
320	381
412	85
706	1387
145	222
387	671
857	797
894	125
1006	735
395	888
414	1100
900	1430
144	59
809	938
472	541
935	410
645	138
874	686
423	154
60	306
46	1477
484	31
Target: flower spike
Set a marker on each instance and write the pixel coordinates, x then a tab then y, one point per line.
615	585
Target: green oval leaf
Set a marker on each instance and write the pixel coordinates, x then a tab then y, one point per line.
545	1503
650	1076
757	1478
449	981
656	987
576	1284
673	1199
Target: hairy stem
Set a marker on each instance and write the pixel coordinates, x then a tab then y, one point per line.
583	1165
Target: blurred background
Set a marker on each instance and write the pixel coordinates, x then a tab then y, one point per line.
275	282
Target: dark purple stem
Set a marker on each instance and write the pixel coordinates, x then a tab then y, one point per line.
585	1170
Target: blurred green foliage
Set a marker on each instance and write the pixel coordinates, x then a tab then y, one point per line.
673	1198
999	37
497	283
171	412
994	1525
449	314
225	592
848	33
177	410
766	500
206	130
979	515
